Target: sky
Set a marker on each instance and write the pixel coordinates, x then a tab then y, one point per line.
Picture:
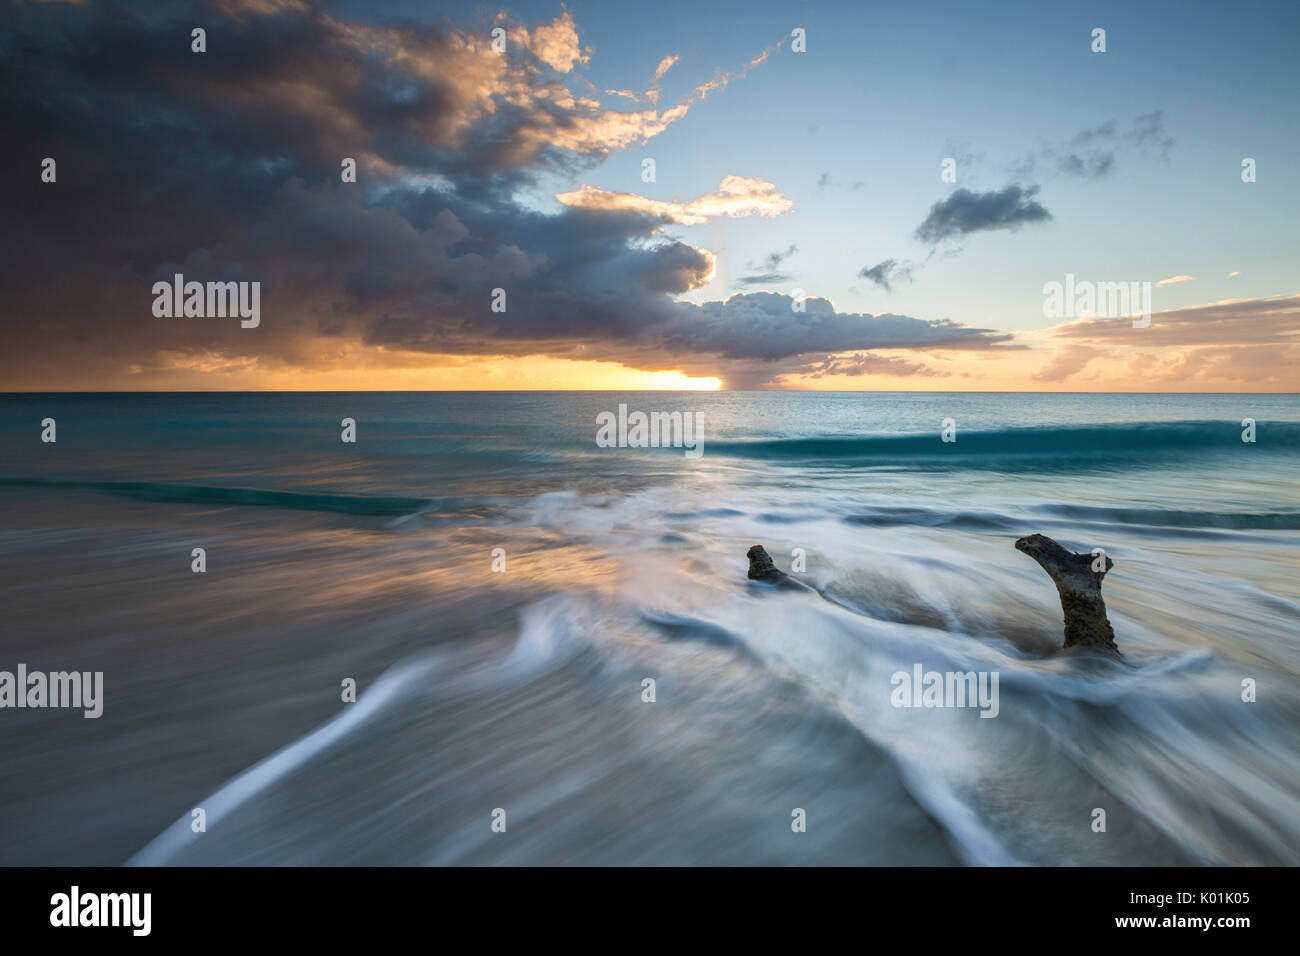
741	195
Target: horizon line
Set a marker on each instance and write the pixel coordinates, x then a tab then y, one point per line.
506	391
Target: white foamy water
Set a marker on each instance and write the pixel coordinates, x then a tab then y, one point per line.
522	690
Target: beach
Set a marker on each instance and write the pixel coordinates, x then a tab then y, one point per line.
499	586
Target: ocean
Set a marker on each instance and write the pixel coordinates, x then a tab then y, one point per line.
558	658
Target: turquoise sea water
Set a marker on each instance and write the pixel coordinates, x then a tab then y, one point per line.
522	689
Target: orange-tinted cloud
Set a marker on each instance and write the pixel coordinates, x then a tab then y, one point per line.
666	64
736	196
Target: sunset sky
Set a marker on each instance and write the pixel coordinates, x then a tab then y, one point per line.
777	174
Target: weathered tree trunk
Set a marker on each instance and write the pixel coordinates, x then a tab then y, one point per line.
761	567
1079	585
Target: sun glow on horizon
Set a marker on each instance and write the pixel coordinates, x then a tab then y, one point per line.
423	373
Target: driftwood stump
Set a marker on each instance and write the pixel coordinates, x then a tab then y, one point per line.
762	570
1079	585
761	567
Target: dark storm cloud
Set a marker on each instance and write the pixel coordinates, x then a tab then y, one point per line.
771	266
965	212
774	259
825	180
885	273
765	325
1093	153
225	165
869	364
1088	166
1149	136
